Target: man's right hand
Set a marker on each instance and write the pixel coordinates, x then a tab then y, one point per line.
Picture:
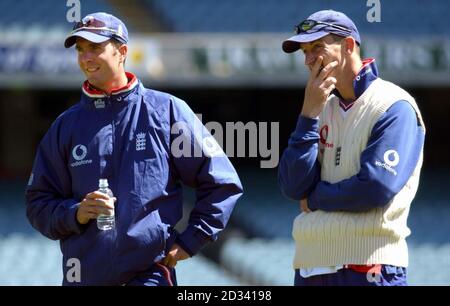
175	254
94	204
318	88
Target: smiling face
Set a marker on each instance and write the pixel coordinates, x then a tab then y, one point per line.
101	63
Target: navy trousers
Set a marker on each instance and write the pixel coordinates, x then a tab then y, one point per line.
390	276
157	275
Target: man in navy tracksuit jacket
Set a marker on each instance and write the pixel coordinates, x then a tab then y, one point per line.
145	143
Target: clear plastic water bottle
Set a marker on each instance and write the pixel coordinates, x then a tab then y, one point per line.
105	222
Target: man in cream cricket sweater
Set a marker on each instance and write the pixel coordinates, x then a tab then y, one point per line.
353	162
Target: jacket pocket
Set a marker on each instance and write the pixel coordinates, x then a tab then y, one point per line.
149	179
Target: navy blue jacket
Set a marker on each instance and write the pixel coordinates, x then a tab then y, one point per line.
126	137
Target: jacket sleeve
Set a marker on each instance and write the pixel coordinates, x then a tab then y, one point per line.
50	206
299	169
200	163
387	163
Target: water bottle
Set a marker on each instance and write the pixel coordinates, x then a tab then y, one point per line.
105	222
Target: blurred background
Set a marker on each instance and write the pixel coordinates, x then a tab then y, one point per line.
224	58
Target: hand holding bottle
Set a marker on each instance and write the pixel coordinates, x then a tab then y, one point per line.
94	204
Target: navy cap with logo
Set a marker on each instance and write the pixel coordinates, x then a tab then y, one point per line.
98	28
318	25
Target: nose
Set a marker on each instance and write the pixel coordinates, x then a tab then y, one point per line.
309	59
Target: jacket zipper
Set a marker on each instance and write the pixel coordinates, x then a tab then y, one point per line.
114	186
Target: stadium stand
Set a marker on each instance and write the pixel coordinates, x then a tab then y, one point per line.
25	14
268	262
33	260
398	17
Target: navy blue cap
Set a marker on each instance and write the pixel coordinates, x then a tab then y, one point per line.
320	24
98	28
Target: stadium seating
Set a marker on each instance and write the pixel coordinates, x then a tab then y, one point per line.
29	260
32	260
269	262
400	17
25	14
265	262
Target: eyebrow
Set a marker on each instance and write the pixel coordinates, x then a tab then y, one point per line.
313	44
90	45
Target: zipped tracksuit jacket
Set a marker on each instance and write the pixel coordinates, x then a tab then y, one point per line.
128	137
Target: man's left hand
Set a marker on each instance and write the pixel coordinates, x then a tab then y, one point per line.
304	205
175	254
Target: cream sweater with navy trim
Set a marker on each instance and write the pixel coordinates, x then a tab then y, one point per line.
373	237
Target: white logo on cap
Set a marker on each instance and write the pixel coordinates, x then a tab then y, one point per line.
88	19
120	30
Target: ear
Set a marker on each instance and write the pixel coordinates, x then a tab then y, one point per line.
349	44
123	50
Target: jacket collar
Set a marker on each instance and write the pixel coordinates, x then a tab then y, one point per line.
91	95
366	75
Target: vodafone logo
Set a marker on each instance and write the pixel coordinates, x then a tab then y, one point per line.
79	152
323	133
391	158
